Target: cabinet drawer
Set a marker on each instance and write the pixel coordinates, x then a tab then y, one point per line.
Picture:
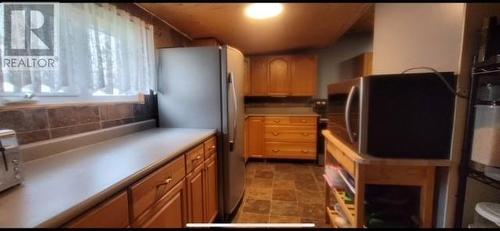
289	149
291	120
276	120
194	157
303	120
210	147
290	133
112	213
348	164
150	189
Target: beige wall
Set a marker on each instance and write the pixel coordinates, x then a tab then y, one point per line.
330	58
417	34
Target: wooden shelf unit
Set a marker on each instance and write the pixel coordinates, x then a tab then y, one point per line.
332	214
368	170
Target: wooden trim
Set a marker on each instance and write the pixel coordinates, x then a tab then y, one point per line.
359	198
427	198
66	104
164	21
367	159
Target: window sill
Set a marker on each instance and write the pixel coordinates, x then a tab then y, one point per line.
50	102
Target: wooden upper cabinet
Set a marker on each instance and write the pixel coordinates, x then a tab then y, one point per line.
304	75
258	76
279	75
247	88
282	75
360	65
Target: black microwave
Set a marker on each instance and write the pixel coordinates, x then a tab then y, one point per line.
395	115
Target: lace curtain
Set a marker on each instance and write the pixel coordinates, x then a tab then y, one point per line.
102	51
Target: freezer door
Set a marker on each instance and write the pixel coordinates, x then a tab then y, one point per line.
234	171
189	87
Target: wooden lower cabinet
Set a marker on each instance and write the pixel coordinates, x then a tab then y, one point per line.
179	192
195	196
171	212
255	136
112	213
282	137
202	192
211	195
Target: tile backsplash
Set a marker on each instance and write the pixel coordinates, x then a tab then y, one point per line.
268	101
43	123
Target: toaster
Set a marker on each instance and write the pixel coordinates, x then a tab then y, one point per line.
10	160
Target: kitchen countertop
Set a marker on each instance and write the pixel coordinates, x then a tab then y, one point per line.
282	114
62	186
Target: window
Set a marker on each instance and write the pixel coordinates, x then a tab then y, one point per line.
103	53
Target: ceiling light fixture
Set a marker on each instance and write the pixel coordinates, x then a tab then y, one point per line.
263	10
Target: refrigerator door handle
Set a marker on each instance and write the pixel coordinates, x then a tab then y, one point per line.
232	138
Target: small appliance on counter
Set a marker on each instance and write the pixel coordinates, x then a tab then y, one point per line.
10	160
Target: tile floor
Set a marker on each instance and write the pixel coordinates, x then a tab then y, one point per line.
283	192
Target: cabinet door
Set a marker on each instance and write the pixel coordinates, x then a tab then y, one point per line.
247	87
211	195
279	76
304	75
173	211
255	136
258	76
110	214
367	63
195	188
245	140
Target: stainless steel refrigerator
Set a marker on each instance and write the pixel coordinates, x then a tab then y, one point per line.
202	87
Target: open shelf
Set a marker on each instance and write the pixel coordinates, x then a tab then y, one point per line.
479	176
348	209
333	215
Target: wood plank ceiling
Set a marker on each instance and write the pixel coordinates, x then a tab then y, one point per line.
299	26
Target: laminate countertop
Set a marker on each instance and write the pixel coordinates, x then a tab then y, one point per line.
60	187
282	114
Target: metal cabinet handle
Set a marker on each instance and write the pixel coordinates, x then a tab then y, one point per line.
277	121
275	150
305	151
276	133
196	158
303	121
213	147
165	182
306	133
